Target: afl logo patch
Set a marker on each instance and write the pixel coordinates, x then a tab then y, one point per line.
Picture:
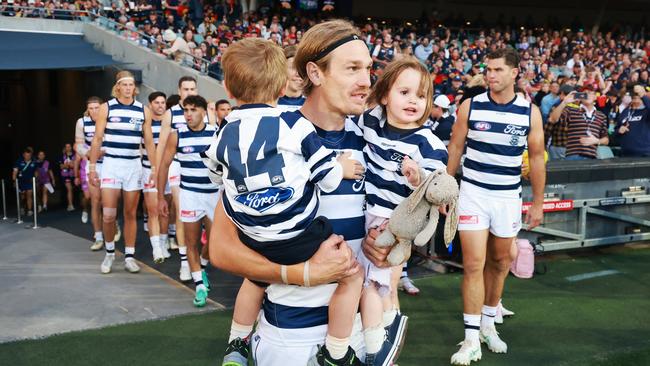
188	149
115	119
482	126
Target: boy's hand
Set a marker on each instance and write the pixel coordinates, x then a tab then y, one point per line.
411	171
352	169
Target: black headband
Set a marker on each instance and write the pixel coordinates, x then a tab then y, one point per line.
335	45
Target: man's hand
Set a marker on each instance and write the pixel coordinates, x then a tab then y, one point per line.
589	140
352	169
376	255
570	98
411	171
333	261
163	209
534	216
624	129
92	178
639	90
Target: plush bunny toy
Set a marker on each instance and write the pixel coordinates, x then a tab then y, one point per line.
415	219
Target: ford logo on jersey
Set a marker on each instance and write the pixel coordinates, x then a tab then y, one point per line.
515	130
188	149
482	126
265	199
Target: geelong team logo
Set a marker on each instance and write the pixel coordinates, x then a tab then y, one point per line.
482	126
265	199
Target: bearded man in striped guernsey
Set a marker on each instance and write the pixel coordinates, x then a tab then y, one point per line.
497	125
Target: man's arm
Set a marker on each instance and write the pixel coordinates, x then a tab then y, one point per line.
332	261
100	126
79	137
165	129
556	113
149	145
537	168
165	162
458	137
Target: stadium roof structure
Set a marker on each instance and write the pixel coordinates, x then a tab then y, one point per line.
41	50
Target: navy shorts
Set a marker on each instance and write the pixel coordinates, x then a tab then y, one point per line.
295	250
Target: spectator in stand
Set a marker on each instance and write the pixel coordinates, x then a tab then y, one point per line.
423	50
555	129
633	125
179	50
592	78
549	100
66	166
441	120
45	179
207	27
383	53
586	127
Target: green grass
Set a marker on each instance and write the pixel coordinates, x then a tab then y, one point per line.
595	322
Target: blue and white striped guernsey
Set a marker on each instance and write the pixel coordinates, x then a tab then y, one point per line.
178	119
123	132
155	131
385	149
89	132
290	104
272	164
303	310
194	174
496	140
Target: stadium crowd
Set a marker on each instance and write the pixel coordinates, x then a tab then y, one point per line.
555	63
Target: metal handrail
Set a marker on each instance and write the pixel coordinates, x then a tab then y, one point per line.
78	15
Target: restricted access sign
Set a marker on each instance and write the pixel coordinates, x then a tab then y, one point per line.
551	206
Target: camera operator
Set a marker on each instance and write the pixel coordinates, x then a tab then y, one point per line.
633	124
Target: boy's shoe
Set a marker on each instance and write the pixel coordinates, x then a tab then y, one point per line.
158	255
172	243
118	233
469	351
206	280
184	274
200	298
165	252
323	358
385	356
396	332
490	337
131	266
107	263
236	353
84	217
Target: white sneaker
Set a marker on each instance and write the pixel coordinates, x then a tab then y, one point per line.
158	254
185	274
70	208
405	284
84	217
107	264
506	313
118	233
490	337
165	252
97	245
172	243
131	266
469	351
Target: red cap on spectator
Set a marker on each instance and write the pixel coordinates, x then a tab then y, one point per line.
587	88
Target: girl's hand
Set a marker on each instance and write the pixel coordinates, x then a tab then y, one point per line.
411	171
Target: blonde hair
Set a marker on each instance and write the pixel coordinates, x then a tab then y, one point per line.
314	41
120	75
392	72
255	70
477	80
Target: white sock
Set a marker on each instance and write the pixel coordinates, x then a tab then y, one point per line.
110	247
197	277
163	240
182	251
337	347
155	241
389	317
487	316
472	326
99	235
204	262
128	253
374	338
239	331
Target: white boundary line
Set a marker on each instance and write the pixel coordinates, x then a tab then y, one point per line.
586	276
